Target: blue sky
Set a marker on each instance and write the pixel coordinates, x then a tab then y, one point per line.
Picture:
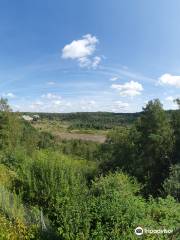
66	56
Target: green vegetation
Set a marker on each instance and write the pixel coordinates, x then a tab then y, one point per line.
85	121
82	190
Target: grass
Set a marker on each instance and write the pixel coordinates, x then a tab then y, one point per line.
62	131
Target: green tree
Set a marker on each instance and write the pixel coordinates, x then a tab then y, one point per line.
154	146
10	127
118	152
177	100
172	183
4	106
145	150
176	127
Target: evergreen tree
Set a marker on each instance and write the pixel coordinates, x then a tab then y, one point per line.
154	146
176	128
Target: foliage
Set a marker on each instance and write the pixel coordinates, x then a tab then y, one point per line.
10	231
47	172
4	107
154	146
6	176
30	138
58	184
90	120
175	122
76	190
172	183
144	149
46	140
118	151
17	221
116	210
10	131
82	149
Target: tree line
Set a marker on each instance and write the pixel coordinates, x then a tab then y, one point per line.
91	120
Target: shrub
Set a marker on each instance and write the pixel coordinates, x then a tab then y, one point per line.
116	210
172	184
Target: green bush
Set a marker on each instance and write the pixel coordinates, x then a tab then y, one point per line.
116	210
17	221
172	184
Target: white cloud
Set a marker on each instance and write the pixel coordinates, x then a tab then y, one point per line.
119	106
55	105
169	99
9	95
51	83
91	102
96	61
45	105
35	105
48	102
86	105
57	102
83	50
171	80
80	48
128	89
113	79
84	62
169	103
51	96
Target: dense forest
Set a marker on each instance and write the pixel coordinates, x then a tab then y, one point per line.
82	190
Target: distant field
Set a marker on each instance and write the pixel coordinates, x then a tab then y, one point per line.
89	120
84	126
81	136
61	130
52	126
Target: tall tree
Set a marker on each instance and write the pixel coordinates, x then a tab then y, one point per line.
176	128
154	146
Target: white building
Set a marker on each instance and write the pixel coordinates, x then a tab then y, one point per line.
27	118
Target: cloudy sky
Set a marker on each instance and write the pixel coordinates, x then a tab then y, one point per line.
65	56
